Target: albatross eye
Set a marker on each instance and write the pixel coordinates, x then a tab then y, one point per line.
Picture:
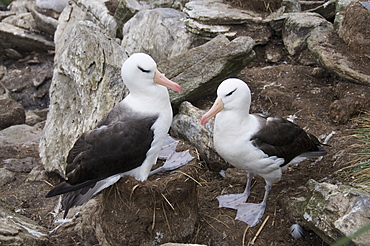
231	92
143	70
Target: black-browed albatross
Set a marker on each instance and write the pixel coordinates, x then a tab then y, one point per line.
126	141
258	144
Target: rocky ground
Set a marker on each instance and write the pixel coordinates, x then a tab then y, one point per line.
299	90
293	85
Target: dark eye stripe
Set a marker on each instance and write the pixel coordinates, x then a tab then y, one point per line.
143	70
231	92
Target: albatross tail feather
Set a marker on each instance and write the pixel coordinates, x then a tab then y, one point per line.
64	187
76	195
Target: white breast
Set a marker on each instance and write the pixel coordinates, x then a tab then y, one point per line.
234	145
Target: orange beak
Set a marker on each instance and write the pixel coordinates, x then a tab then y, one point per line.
215	109
162	80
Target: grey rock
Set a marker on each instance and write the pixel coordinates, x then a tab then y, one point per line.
23	20
297	29
159	32
42	112
86	85
24	165
124	12
4	14
3	72
32	118
21	136
208	18
94	11
219	12
97	12
6	176
56	5
128	8
16	229
335	211
11	113
201	69
37	174
186	125
44	23
207	30
19	39
336	58
20	6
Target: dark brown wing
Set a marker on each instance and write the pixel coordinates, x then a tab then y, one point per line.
284	139
109	149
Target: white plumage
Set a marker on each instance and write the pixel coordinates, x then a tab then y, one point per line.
127	141
258	144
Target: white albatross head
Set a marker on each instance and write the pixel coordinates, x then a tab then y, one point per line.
232	94
140	70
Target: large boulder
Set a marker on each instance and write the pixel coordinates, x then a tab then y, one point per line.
336	211
159	32
126	9
13	37
331	52
86	85
94	11
297	28
219	12
201	69
56	5
208	18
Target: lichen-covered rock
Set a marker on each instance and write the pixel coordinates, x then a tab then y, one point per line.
297	28
43	22
219	12
86	85
24	20
208	18
126	9
20	39
335	211
201	69
93	11
340	11
56	5
333	54
159	32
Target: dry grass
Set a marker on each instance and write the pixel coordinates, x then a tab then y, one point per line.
359	171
